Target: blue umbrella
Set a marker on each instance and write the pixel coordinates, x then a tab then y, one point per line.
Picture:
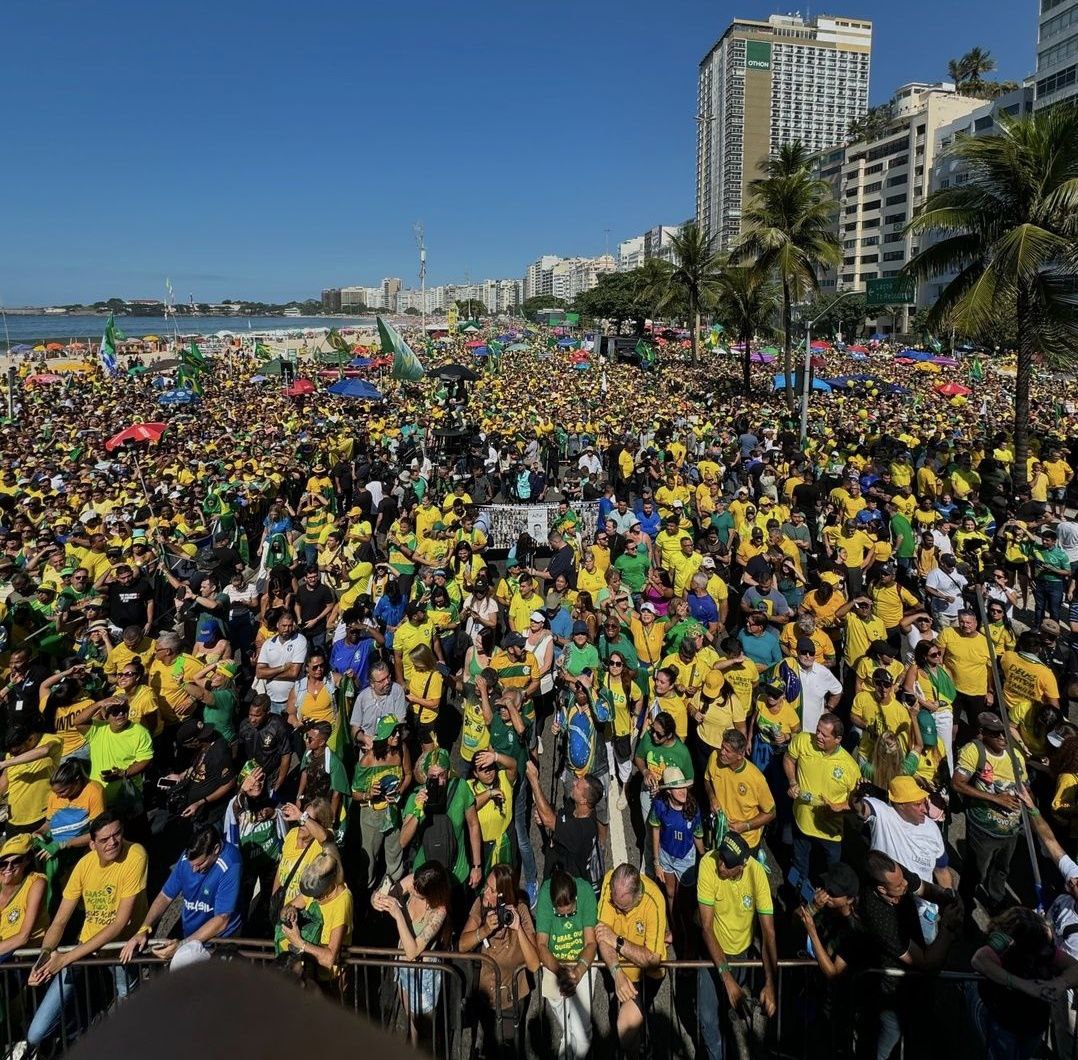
917	355
21	348
503	339
857	356
817	384
177	397
359	362
355	388
259	378
480	351
567	344
840	382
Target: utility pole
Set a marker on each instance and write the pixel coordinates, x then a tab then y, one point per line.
418	229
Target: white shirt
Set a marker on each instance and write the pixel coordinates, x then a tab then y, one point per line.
912	639
374	488
591	463
942	543
1067	539
817	683
916	847
952	584
277	652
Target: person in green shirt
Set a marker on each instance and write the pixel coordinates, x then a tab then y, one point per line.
580	654
903	537
634	563
213	687
451	798
120	751
659	747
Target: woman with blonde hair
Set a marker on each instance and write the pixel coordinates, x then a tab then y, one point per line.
317	923
423	691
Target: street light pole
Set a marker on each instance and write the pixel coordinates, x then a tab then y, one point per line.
806	382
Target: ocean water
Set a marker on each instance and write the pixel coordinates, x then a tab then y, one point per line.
65	328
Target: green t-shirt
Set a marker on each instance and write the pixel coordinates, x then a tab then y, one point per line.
117	750
461	797
369	779
565	934
221	712
505	740
656	758
634	569
724	523
901	528
578	659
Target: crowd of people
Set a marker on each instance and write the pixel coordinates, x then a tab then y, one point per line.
275	671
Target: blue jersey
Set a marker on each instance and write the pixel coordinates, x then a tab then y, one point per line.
215	892
675	830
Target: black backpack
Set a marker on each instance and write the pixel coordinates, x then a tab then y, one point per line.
438	840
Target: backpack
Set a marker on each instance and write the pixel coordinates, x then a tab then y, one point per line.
439	839
1063	916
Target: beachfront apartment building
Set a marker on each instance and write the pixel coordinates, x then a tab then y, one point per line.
768	83
1057	53
879	182
657	242
630	254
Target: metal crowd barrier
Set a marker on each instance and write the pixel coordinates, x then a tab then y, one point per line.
428	1001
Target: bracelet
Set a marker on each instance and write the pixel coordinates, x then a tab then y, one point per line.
145	928
724	969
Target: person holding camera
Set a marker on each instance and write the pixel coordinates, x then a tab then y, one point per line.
500	926
316	926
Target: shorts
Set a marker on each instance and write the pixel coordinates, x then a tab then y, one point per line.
684	868
623	749
1057	494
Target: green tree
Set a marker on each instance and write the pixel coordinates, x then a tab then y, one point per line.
695	274
531	306
614	298
471	308
1010	233
411	311
846	316
787	231
872	124
747	302
968	75
652	286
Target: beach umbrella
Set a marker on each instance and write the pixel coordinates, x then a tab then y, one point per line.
819	344
840	382
904	360
817	384
761	358
360	362
953	390
927	367
857	349
455	371
39	348
257	379
517	347
21	348
43	379
53	346
946	362
481	351
299	388
82	367
137	432
858	356
137	369
150	338
359	389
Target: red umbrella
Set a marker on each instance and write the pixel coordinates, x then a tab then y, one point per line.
137	432
43	378
953	390
299	388
857	349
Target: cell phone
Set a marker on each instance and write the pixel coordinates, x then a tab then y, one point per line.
166	783
802	885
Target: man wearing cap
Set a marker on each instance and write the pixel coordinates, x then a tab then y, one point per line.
417	629
902	829
120	752
860	628
1030	691
631	936
836	937
737	789
518	668
733	895
986	778
522	603
821	691
580	653
821	775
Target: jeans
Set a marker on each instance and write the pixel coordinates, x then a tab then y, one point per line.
521	816
571	1014
709	1007
61	1001
805	844
890	1033
1047	600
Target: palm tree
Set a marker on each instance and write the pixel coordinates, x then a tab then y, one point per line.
747	303
787	229
651	285
968	74
1011	235
695	274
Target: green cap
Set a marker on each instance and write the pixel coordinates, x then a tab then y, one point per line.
387	723
229	669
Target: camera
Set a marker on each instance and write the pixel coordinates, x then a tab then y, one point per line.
504	915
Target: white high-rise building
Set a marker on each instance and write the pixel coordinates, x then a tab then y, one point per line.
630	254
539	278
1057	53
765	84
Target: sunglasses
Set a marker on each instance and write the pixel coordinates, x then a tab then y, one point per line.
10	863
614	665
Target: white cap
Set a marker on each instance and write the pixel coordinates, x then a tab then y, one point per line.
648	606
538	616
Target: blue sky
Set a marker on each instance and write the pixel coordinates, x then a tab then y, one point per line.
268	149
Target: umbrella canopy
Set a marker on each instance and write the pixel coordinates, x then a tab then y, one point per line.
360	362
166	365
917	355
469	327
517	347
481	351
72	366
953	390
946	362
771	350
137	432
840	382
54	346
183	396
334	357
358	389
927	366
857	349
455	371
137	369
272	367
39	349
257	379
817	384
819	344
299	388
43	379
22	347
761	358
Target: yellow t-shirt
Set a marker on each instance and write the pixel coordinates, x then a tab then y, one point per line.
409	636
824	613
590	581
967	660
674	705
643	925
1026	685
427	686
1066	798
168	679
13	915
856	545
880	718
734	903
860	634
784	721
291	852
494	821
624	719
64	726
103	887
822	778
743	679
889	603
741	793
121	655
28	784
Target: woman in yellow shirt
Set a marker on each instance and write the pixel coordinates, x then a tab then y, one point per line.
313	699
424	695
321	890
23	912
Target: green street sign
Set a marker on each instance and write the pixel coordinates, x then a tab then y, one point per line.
891	290
757	55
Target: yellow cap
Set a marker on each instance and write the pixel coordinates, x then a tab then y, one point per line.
713	682
16	845
905	790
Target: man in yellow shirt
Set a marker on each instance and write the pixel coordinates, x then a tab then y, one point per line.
169	673
732	893
965	654
133	645
1031	692
631	936
738	788
821	775
416	629
1060	475
31	759
110	884
860	626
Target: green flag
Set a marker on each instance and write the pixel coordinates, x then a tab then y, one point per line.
645	351
976	370
338	342
262	350
192	358
406	365
188	377
107	352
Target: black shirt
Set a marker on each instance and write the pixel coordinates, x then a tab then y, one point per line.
127	603
562	562
210	770
575	846
267	745
312	602
893	928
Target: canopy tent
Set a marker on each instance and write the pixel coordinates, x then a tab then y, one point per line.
79	367
469	327
929	367
359	389
275	367
300	388
21	347
517	347
770	350
183	396
840	382
137	432
779	383
917	355
455	371
43	379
